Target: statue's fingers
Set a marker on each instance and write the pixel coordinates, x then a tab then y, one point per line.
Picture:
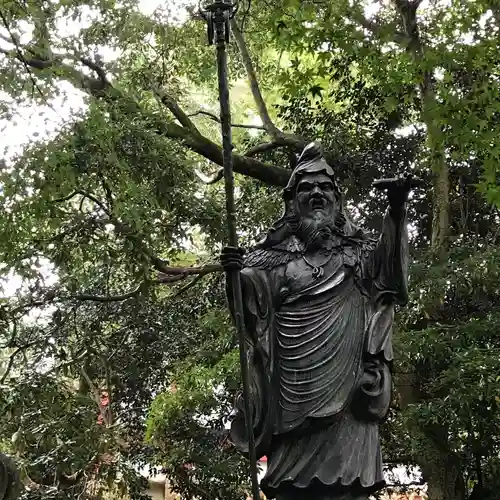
233	264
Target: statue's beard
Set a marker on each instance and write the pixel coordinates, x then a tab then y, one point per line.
315	231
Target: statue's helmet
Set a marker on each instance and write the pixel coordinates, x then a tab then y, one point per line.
311	161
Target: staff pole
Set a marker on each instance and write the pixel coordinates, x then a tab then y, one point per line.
218	16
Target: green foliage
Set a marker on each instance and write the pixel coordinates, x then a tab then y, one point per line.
93	215
187	423
447	349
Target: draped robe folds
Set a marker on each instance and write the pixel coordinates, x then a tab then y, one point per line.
310	341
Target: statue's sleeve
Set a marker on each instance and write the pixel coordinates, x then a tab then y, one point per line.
385	268
385	277
257	289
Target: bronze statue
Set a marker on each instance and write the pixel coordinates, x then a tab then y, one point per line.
319	298
9	479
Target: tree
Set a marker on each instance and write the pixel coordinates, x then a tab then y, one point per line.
114	204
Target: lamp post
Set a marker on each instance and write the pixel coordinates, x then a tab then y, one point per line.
218	15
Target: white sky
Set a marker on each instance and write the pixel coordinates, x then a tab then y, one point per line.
18	131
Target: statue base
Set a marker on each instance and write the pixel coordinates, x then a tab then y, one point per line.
325	493
305	495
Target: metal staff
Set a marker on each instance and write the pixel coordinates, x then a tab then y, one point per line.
218	16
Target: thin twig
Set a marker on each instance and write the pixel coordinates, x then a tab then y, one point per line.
15	42
108	298
190	285
217	119
13	357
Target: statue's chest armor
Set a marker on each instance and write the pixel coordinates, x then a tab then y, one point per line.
301	275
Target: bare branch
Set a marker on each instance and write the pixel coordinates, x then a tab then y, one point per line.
217	119
171	274
108	298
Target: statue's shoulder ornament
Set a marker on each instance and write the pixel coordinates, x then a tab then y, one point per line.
270	257
357	249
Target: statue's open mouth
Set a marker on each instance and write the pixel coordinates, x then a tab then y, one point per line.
317	204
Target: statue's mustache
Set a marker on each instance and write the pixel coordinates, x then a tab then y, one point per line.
317	201
315	230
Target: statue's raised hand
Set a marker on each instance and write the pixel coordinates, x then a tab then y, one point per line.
232	258
398	189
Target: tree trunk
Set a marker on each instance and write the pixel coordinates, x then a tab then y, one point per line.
440	171
443	474
441	468
430	116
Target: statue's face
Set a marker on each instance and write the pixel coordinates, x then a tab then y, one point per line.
315	195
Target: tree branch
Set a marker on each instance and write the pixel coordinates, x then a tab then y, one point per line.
217	119
379	30
269	126
186	132
262	148
92	198
15	41
95	393
108	298
12	358
274	132
65	198
94	86
172	105
190	285
170	274
269	174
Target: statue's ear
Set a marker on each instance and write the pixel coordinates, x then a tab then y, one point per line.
289	198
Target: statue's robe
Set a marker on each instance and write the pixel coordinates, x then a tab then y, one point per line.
310	340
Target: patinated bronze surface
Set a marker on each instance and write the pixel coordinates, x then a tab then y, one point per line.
319	298
9	479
